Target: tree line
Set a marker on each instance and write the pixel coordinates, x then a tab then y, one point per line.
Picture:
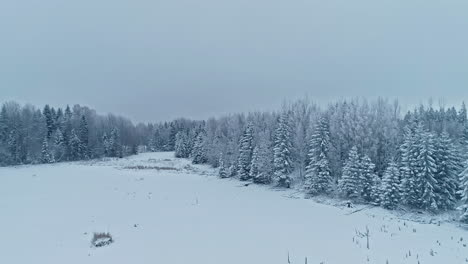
355	149
363	151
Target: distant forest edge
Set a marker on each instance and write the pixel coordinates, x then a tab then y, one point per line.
355	149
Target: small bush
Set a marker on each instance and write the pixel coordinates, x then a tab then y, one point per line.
102	239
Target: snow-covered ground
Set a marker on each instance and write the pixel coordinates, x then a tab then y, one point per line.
163	210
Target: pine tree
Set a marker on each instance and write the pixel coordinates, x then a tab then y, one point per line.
46	155
318	176
349	184
367	178
199	151
391	194
245	154
282	151
464	196
448	168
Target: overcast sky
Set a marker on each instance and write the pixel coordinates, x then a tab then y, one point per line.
156	60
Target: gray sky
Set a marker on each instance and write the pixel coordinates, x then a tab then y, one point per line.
156	60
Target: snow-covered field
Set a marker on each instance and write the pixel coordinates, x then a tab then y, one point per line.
162	210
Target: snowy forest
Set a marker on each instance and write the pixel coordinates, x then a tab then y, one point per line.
362	151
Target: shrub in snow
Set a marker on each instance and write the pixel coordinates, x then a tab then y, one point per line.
102	239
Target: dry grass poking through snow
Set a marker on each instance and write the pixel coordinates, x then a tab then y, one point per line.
102	239
144	167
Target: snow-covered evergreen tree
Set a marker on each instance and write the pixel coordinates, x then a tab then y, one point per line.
223	172
464	195
46	154
115	147
425	181
391	194
84	137
67	132
349	184
282	151
367	178
408	167
59	145
263	161
199	151
254	167
245	153
462	114
448	168
75	146
318	176
106	144
49	120
376	191
181	145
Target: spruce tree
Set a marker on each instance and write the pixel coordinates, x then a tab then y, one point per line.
448	168
426	182
12	144
391	194
106	144
199	150
349	184
408	167
263	161
282	151
376	191
462	115
367	178
223	173
245	154
181	148
84	137
59	148
115	147
46	155
67	133
254	167
318	176
75	146
49	120
464	195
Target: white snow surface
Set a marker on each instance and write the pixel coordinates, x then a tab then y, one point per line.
188	215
